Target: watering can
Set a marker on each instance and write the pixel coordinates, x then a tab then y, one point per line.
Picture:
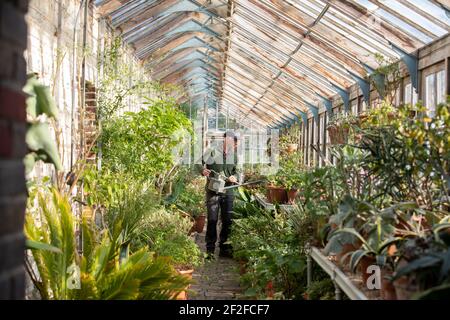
217	183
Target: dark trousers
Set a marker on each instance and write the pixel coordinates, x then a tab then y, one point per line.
214	202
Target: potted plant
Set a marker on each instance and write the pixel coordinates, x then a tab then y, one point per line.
276	192
378	230
342	243
284	186
368	254
185	256
423	264
289	143
191	200
339	127
292	184
387	291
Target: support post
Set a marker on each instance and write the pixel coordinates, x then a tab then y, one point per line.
308	267
337	291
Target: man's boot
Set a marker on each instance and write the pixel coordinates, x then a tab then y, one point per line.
210	254
226	252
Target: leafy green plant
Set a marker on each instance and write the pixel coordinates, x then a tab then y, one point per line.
426	263
321	290
166	233
245	204
191	198
97	272
288	175
407	158
183	251
271	250
38	137
141	143
343	120
377	250
386	78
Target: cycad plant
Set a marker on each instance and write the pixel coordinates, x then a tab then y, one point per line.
96	272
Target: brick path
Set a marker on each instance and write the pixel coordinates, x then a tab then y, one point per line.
215	280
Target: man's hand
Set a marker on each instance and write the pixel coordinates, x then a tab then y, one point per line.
232	179
206	172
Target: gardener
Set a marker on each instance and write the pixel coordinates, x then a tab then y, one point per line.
225	163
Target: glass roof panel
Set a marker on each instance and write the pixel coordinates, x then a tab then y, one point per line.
264	60
433	9
407	12
405	26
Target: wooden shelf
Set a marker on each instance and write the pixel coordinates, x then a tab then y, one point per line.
270	206
336	274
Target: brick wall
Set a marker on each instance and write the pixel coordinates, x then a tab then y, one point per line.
13	42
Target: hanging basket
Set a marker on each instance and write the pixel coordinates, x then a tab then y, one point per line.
291	148
338	135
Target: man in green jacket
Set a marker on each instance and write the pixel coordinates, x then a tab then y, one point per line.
225	163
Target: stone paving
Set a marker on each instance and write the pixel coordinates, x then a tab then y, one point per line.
217	279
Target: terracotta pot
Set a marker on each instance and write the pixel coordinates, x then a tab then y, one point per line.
188	275
387	291
362	117
346	248
365	263
292	147
200	223
276	195
338	135
391	115
291	195
269	289
404	289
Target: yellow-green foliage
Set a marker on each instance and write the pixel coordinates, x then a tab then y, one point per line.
101	274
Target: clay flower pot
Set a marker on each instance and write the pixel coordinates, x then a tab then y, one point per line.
365	263
269	289
404	289
188	275
292	147
346	248
276	195
387	291
291	195
338	135
200	223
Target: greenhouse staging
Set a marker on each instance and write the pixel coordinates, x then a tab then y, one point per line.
236	150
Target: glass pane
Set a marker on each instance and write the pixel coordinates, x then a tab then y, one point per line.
363	105
407	99
440	86
222	121
355	106
316	134
397	97
430	94
212	123
310	137
322	128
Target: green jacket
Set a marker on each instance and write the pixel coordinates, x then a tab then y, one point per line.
214	160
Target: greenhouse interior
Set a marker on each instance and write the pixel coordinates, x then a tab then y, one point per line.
225	150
